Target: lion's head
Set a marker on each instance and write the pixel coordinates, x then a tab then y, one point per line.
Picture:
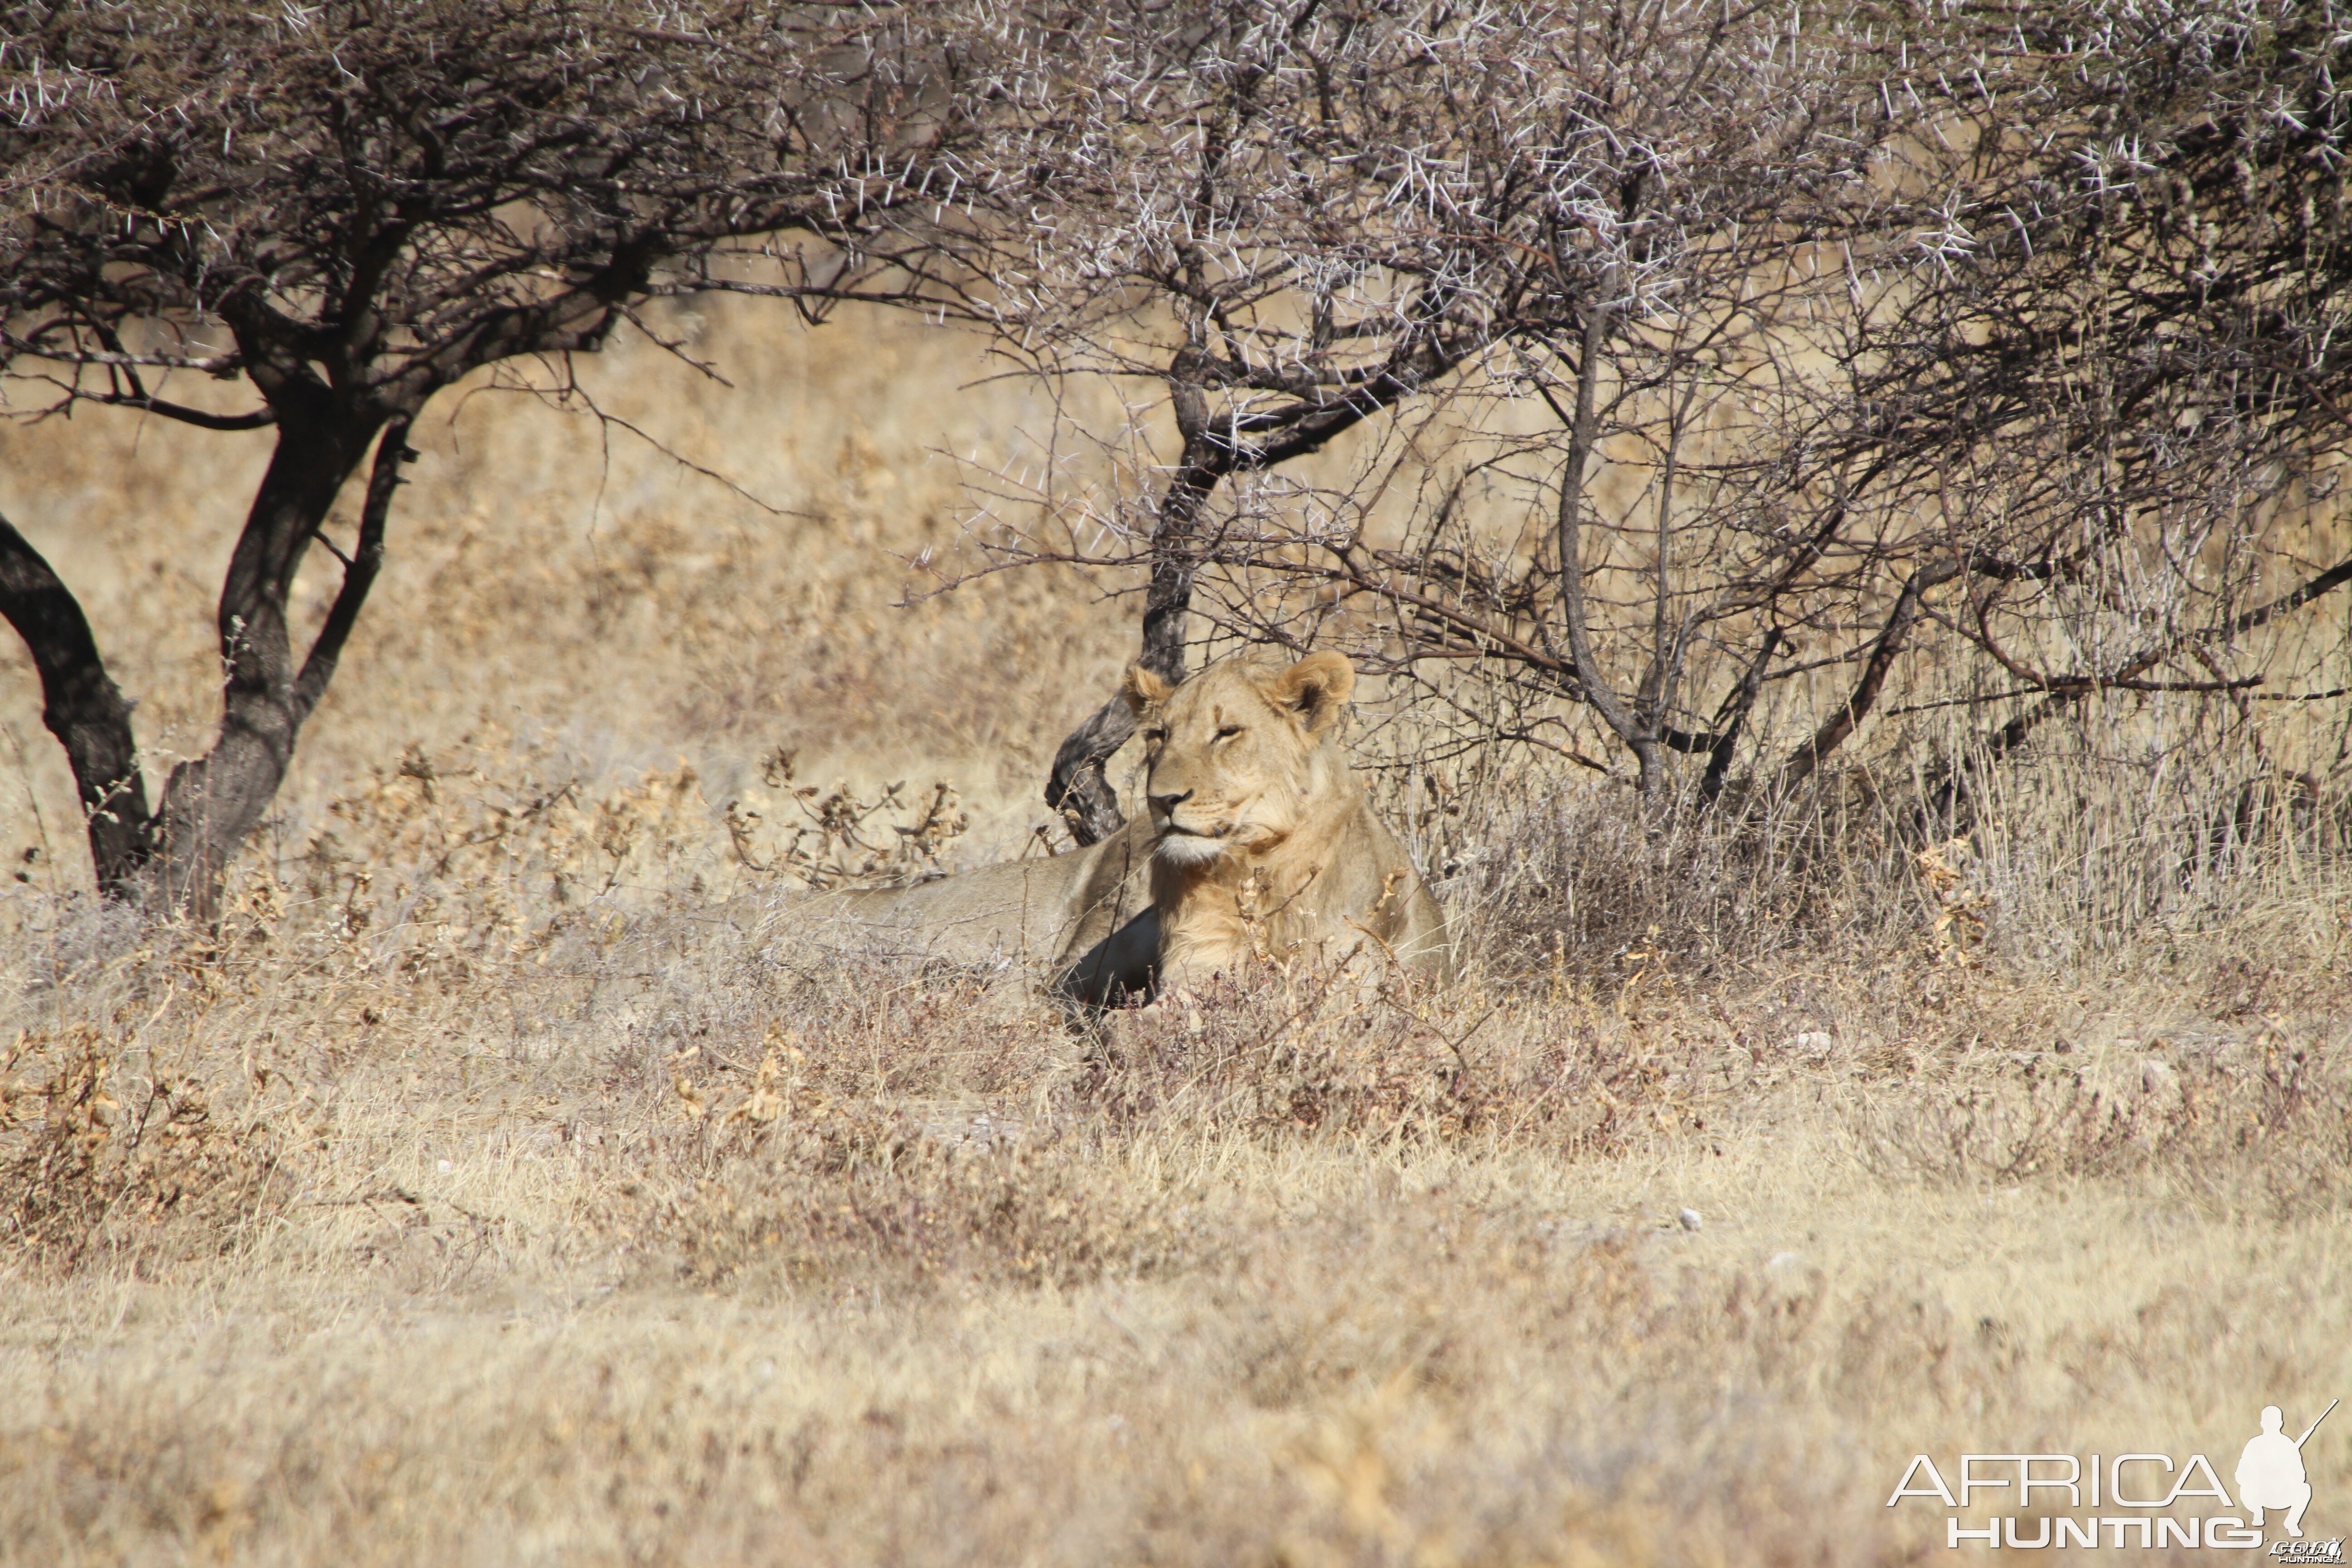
1237	756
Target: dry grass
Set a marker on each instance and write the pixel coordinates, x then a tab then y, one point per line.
490	1188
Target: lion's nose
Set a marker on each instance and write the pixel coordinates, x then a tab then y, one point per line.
1166	805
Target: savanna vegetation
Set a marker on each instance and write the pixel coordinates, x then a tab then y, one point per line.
1900	865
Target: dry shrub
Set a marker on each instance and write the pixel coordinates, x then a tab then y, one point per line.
491	851
1283	1050
1339	1273
815	1188
2265	1129
1553	871
100	1151
889	1122
838	843
1396	1274
912	1211
2057	862
852	1025
1284	1054
843	1119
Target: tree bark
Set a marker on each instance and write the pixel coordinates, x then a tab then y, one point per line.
1637	738
171	858
1833	732
1956	788
392	451
211	802
84	710
1732	717
1078	787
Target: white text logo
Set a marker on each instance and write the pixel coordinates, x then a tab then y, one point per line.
2042	1500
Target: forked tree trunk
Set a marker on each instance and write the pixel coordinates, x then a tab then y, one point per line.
212	802
171	859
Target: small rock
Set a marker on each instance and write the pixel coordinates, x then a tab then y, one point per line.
1784	1260
1690	1220
2157	1078
1811	1043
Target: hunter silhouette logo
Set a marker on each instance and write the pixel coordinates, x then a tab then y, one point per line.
2133	1499
2270	1472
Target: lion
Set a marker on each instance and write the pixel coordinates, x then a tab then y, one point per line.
1085	915
1257	844
1264	845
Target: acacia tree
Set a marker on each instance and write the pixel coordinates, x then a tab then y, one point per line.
1894	332
346	208
2115	365
1196	195
2040	412
1300	217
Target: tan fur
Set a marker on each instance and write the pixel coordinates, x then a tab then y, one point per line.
1253	846
1084	917
1264	848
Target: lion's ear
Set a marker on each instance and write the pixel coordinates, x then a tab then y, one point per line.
1317	689
1142	689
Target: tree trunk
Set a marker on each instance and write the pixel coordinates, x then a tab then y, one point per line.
1078	787
171	858
1732	717
1641	740
211	802
84	710
1908	604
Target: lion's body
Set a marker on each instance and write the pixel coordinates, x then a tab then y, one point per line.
1257	845
1084	917
1265	845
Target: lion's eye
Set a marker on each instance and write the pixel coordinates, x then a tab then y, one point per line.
1229	731
1153	737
